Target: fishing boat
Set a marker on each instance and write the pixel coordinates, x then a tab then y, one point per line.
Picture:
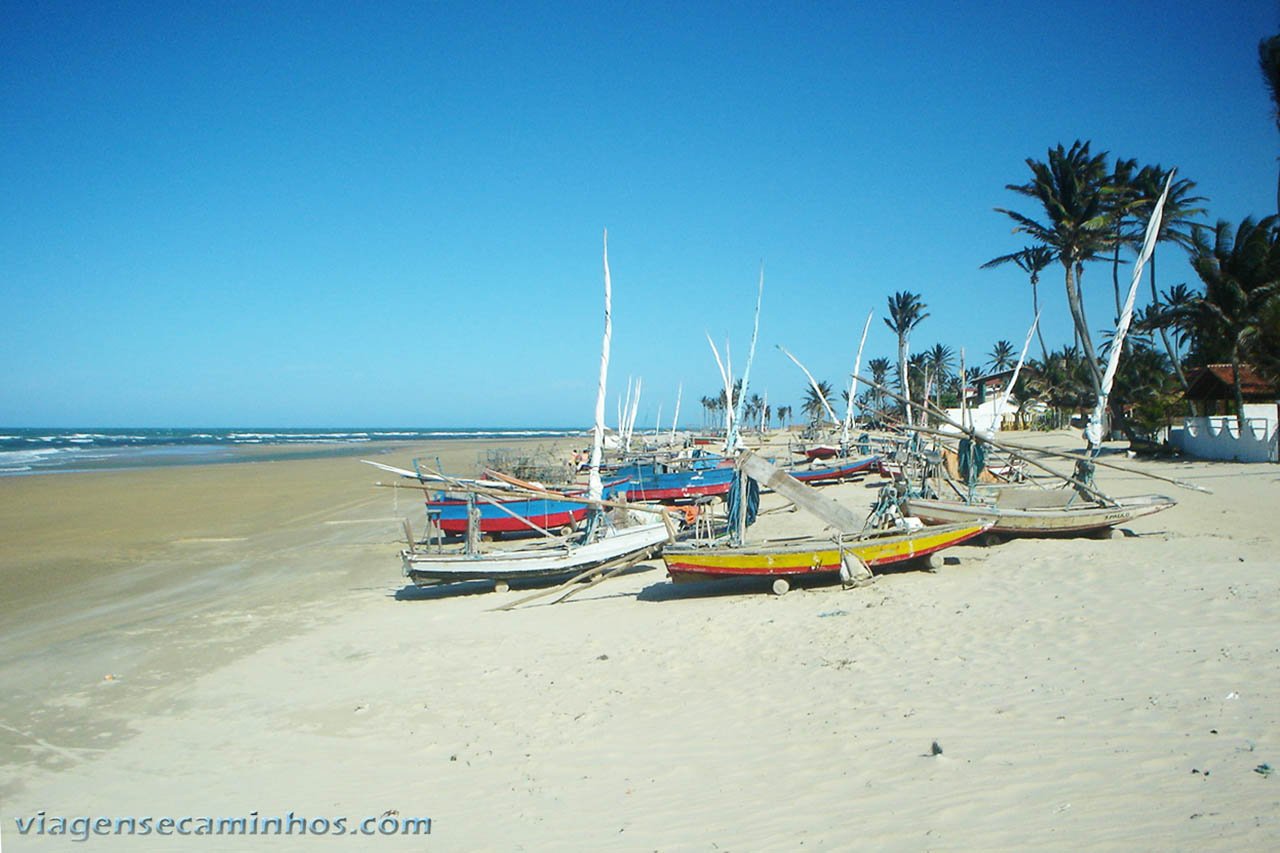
451	515
548	559
850	554
785	560
815	452
648	483
844	469
1031	511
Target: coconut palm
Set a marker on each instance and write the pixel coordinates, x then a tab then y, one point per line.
1176	227
905	313
1122	197
1241	275
879	368
1033	260
1061	382
1269	64
939	359
813	403
1001	356
1071	189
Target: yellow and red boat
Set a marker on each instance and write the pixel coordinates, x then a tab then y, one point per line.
786	559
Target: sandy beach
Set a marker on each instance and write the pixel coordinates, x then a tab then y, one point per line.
237	640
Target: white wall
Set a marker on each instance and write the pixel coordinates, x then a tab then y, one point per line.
1219	437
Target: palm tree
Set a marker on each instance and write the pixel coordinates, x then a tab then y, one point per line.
1241	275
1269	63
939	359
1121	195
1175	227
1001	356
1061	382
1033	260
905	313
1070	188
813	405
879	368
783	412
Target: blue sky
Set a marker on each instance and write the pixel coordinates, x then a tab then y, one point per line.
390	214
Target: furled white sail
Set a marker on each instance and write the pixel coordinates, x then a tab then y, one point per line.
732	439
1003	402
1093	432
595	488
675	420
853	381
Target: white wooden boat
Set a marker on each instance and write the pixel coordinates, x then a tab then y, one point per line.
546	560
1027	511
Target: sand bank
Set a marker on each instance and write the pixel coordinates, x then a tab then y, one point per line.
256	650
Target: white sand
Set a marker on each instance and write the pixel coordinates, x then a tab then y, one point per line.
1086	694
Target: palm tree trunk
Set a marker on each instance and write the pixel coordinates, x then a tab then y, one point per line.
1035	306
1076	305
1168	346
1235	386
1115	275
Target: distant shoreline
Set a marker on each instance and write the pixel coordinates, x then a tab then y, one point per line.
33	452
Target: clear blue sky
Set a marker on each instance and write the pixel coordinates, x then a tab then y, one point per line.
320	214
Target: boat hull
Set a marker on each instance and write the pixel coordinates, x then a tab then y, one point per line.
549	515
808	556
680	485
429	569
1038	521
835	473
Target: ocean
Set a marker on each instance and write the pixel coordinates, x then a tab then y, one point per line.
49	451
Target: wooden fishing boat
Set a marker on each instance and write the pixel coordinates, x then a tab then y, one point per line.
677	486
508	516
813	452
1030	511
844	469
546	561
787	559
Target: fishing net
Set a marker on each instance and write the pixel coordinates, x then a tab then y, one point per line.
864	444
735	502
971	459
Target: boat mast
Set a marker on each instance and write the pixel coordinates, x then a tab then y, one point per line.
1093	432
853	383
595	489
731	440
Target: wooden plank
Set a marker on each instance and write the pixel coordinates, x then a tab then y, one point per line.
806	497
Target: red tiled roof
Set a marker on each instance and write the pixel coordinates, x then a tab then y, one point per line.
1213	382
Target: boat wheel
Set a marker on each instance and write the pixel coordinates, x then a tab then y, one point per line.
990	540
1102	533
780	586
501	586
566	530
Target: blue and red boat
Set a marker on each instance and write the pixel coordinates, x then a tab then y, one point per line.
651	483
450	515
844	469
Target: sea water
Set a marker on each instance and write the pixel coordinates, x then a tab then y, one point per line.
47	451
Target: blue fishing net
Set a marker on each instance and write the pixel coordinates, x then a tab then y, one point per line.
735	501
